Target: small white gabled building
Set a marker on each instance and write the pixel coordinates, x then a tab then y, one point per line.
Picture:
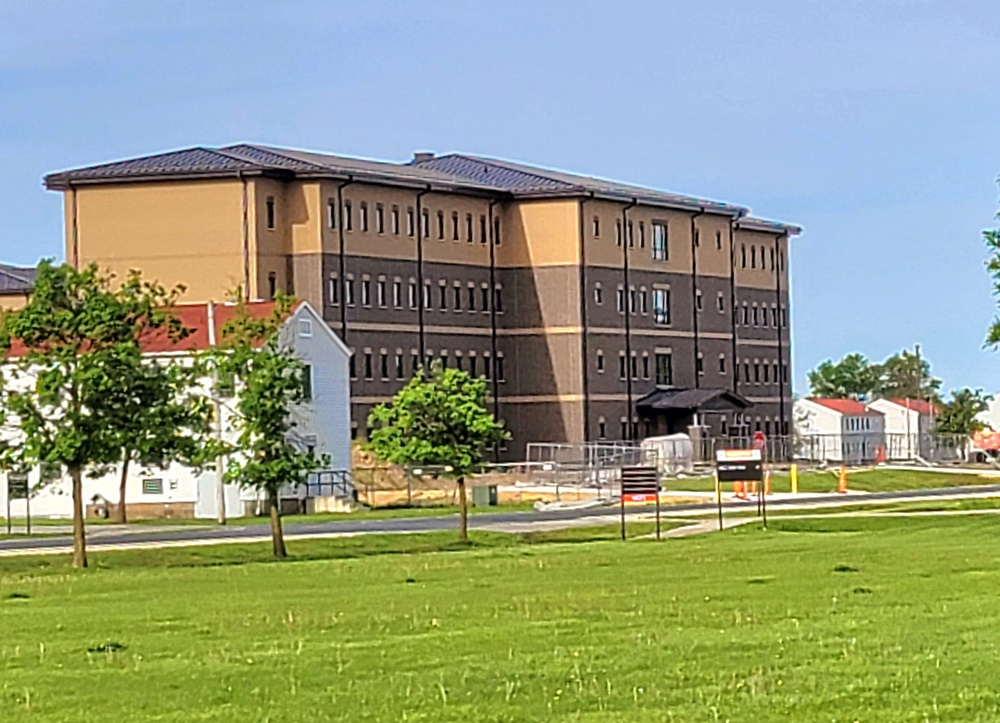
322	423
907	427
841	431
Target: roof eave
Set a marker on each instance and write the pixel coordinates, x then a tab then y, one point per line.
65	181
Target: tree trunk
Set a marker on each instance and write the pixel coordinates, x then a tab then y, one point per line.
277	535
120	514
463	512
79	535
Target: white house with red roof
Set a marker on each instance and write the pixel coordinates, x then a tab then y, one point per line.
908	424
321	423
842	431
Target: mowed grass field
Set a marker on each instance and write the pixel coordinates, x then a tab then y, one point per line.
813	620
868	480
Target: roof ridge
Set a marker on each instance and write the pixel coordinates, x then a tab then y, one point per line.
513	166
227	152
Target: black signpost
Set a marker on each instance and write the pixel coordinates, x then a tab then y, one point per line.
637	484
17	489
739	465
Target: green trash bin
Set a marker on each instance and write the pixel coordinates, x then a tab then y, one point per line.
484	496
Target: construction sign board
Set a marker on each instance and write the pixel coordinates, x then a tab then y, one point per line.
739	465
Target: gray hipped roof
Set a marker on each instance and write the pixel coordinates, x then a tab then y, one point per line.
696	400
16	279
458	172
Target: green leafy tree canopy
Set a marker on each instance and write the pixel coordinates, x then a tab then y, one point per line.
959	414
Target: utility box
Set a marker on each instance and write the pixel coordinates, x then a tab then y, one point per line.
484	496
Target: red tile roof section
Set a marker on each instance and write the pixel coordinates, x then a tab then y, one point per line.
194	318
844	406
922	406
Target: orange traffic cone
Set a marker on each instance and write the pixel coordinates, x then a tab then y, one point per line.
753	487
842	480
739	490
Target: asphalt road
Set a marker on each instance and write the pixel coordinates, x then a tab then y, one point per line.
108	539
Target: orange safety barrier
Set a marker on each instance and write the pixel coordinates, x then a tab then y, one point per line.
767	482
753	487
842	481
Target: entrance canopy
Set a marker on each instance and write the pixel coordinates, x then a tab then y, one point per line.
693	401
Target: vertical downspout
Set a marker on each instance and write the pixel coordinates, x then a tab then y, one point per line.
732	303
74	230
781	351
419	220
584	352
694	291
626	239
341	261
246	239
493	309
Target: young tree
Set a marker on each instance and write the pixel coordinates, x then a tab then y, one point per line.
268	381
958	415
853	377
992	239
438	419
60	392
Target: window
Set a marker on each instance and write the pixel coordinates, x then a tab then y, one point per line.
482	229
597	226
722	363
661	306
496	231
442	296
753	257
414	361
774	373
270	225
697	238
621	299
152	486
363	217
784	317
454	226
398	363
661	251
468	228
379	218
380	297
772	259
412	293
354	430
645	365
458	360
743	255
427	294
598	294
746	314
485	297
384	364
366	292
756	373
756	320
763	317
618	232
331	213
348	219
457	297
307	382
600	361
767	373
472	297
642	235
664	368
425	223
397	293
394	220
472	364
410	226
440	217
774	316
632	301
621	365
487	370
601	428
501	374
352	363
634	365
746	372
784	373
643	301
305	328
720	303
498	299
272	284
697	300
368	364
624	428
334	290
718	240
631	236
699	364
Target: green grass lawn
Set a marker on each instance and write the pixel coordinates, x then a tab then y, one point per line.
880	480
814	620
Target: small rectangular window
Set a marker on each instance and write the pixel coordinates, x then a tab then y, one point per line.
366	292
397	294
384	365
496	231
485	294
379	218
307	382
398	363
443	297
152	486
720	303
348	219
353	364
661	242
380	297
363	216
413	294
457	298
699	364
618	232
597	226
598	295
642	235
621	365
305	328
472	298
722	363
270	223
482	229
661	306
600	361
501	374
664	369
272	285
468	228
331	214
498	299
645	366
425	223
454	226
349	291
395	220
698	300
440	218
334	290
368	365
410	227
718	240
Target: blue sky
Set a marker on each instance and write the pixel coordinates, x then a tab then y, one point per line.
872	123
